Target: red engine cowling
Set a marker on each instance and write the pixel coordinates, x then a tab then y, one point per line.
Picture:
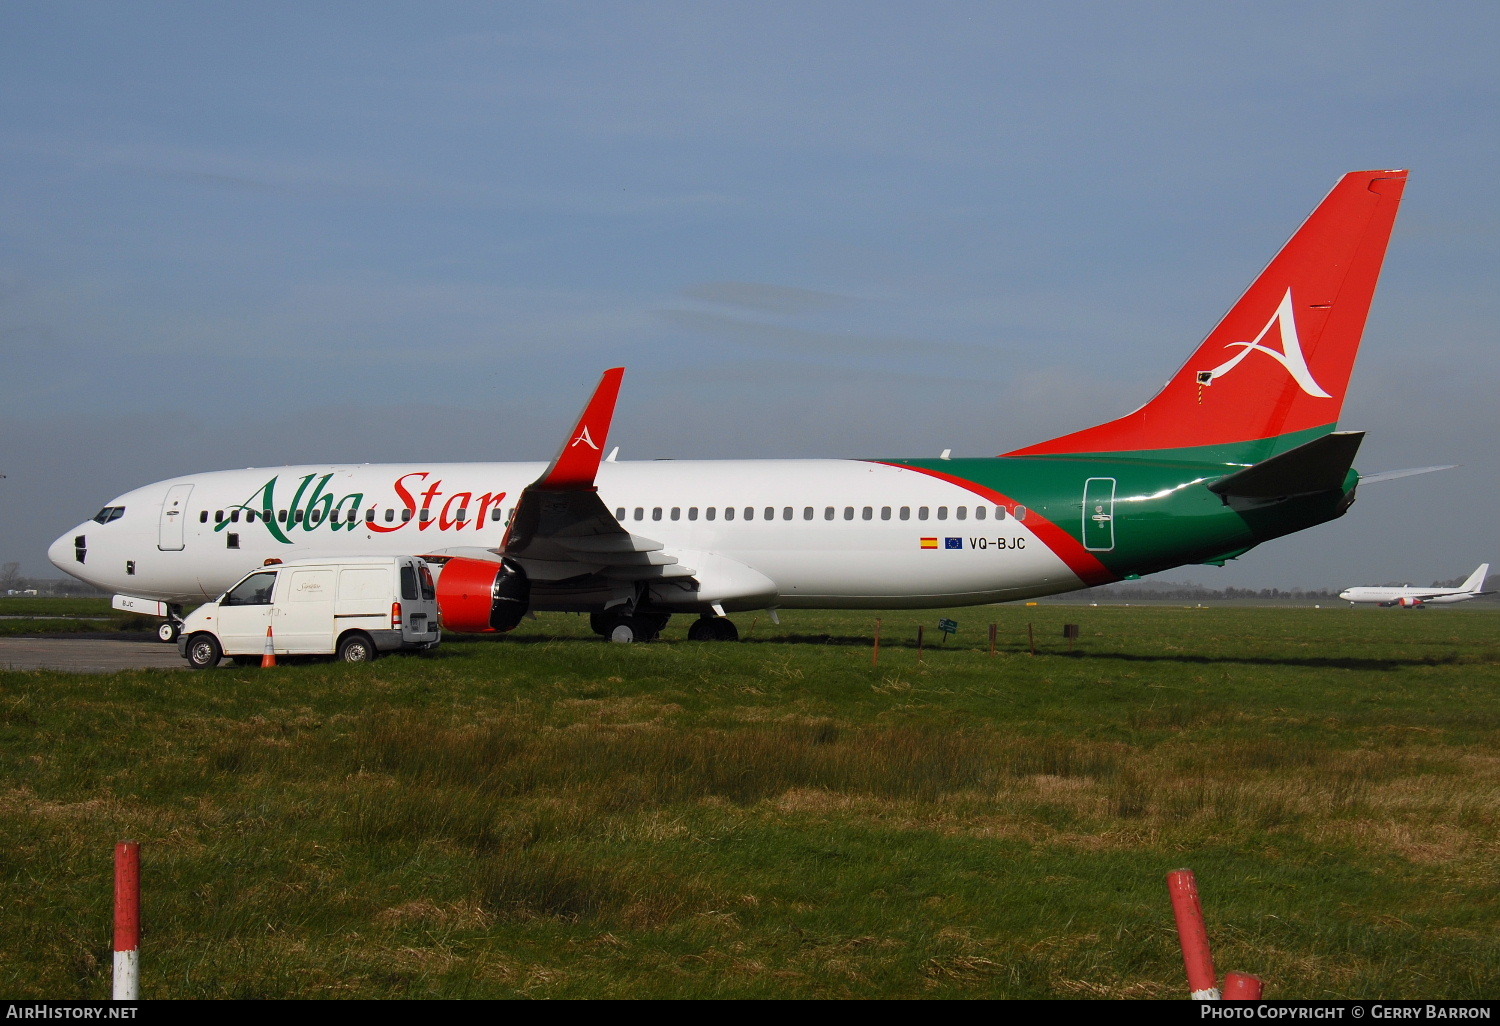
475	595
1410	603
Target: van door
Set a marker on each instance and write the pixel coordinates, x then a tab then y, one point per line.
365	597
244	614
304	610
173	517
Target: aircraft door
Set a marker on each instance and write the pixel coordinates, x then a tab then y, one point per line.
1099	514
173	518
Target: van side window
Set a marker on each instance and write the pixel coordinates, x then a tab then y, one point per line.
254	590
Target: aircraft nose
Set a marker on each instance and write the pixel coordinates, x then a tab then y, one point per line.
61	552
1344	595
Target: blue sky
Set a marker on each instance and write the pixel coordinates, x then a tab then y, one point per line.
267	233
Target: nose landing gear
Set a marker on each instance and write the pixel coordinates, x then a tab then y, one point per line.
170	629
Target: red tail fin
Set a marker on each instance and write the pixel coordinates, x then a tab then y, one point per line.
1279	362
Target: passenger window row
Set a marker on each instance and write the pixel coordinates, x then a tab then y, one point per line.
828	513
461	516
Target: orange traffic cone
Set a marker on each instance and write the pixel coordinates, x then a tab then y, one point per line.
268	656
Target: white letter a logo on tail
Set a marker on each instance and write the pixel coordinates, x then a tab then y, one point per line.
1289	357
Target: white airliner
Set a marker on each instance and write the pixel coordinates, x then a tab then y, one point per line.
1409	597
1239	447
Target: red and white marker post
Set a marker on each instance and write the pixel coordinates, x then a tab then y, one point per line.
1241	987
1194	935
127	983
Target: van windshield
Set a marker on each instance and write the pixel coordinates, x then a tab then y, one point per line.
254	590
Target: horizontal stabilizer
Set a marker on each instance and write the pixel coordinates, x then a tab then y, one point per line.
1394	475
1318	466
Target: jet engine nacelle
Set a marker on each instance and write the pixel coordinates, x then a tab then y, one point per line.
477	595
1409	603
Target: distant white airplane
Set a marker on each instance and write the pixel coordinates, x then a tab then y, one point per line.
1409	597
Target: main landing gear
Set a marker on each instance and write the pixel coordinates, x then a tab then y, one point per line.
624	624
713	628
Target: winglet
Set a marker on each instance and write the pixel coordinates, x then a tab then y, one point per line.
578	462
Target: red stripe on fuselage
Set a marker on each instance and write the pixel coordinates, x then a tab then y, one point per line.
1064	546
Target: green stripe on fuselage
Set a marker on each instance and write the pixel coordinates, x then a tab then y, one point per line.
1163	515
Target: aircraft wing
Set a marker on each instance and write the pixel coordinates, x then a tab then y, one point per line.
561	529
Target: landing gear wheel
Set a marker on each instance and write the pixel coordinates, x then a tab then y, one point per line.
648	626
713	628
168	631
356	648
642	626
203	652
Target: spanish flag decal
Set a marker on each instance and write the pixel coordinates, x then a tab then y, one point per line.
929	543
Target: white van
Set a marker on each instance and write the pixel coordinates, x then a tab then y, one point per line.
354	608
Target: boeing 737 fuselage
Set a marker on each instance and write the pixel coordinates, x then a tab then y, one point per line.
1239	447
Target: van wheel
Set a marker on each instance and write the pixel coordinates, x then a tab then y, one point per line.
203	652
356	648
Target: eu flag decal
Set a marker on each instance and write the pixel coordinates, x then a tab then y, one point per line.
953	543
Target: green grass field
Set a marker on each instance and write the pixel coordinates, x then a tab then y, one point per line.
548	815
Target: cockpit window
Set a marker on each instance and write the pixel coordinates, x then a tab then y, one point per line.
109	513
254	590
